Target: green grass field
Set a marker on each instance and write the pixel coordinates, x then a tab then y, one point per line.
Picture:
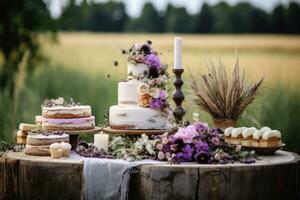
80	62
273	56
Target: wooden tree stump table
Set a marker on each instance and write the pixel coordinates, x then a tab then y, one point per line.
273	177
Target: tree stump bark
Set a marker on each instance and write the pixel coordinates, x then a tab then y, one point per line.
273	177
263	180
31	179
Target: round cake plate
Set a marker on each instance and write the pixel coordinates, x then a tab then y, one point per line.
135	131
74	135
264	150
88	131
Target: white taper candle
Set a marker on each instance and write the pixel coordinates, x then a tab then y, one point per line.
177	53
101	141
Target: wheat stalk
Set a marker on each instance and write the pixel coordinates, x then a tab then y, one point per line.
220	95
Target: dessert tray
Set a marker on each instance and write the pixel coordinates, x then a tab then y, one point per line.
264	150
135	131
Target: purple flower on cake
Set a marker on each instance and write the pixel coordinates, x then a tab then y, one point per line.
153	61
163	94
186	134
155	103
159	103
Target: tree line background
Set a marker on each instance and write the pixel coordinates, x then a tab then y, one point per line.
220	18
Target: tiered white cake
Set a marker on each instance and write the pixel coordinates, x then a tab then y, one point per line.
140	105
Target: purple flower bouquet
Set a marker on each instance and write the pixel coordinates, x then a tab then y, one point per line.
197	142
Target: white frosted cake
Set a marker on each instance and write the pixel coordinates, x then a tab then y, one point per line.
142	98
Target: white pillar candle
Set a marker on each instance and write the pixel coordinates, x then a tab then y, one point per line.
177	53
101	141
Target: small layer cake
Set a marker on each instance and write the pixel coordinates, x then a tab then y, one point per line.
136	117
38	144
37	150
83	123
237	135
227	134
257	135
270	139
248	136
66	111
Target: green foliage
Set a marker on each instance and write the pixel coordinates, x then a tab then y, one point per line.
20	24
105	17
175	18
205	20
278	20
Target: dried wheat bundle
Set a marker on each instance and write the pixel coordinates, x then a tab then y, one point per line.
221	96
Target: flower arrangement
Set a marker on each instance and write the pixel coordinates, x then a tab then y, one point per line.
131	148
193	143
199	143
220	96
153	94
143	53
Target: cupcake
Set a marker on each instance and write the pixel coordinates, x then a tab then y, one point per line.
237	135
248	136
270	139
257	135
66	148
56	150
227	134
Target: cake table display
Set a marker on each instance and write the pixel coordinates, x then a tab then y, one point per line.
186	161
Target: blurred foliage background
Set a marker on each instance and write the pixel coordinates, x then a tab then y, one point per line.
42	57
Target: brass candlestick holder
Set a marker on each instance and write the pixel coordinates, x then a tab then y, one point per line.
178	96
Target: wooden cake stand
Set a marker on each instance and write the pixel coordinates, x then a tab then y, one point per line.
134	131
74	135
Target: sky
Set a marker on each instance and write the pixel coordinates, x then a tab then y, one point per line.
134	7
